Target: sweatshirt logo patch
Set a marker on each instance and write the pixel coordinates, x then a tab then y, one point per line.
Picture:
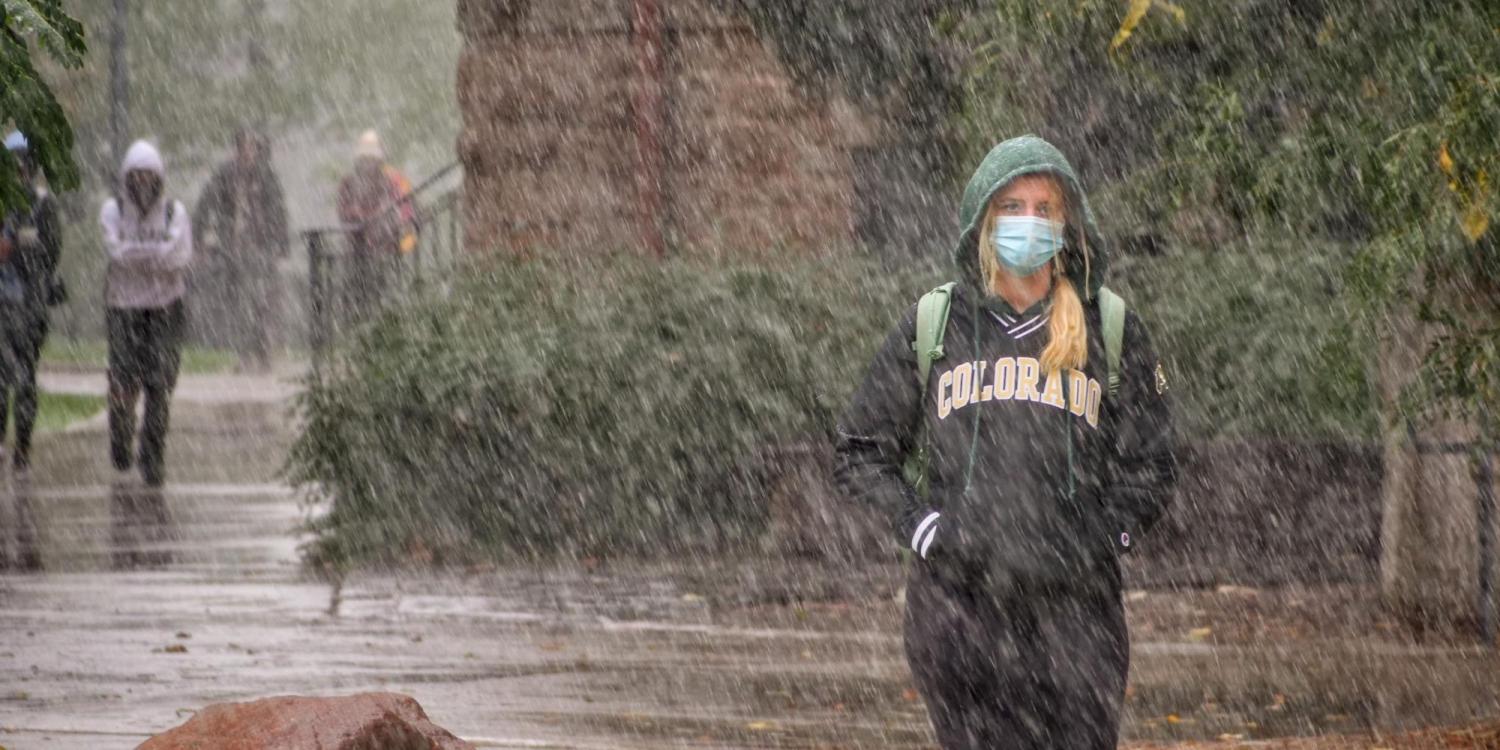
1018	379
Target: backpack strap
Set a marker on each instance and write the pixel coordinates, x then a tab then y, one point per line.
932	322
1112	311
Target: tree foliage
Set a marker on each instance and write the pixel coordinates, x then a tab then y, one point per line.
332	68
1364	132
26	100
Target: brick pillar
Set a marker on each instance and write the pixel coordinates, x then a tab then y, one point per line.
650	125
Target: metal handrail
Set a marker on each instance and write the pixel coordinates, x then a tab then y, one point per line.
325	251
391	205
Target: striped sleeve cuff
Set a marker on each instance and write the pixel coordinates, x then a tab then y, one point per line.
921	541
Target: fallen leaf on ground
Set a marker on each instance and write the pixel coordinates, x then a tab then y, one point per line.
1232	590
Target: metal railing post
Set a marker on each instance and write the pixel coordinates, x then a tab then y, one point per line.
319	332
417	254
453	248
333	305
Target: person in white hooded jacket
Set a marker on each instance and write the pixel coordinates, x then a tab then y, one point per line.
149	240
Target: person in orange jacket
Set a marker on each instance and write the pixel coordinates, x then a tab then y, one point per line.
379	214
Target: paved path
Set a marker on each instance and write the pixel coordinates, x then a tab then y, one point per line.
194	389
122	610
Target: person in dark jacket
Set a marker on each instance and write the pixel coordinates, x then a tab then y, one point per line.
30	246
1037	477
240	228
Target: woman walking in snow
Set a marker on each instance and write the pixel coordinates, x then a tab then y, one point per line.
1046	442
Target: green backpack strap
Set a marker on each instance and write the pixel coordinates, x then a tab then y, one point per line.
1112	310
932	322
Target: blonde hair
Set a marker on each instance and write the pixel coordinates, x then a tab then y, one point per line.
1067	331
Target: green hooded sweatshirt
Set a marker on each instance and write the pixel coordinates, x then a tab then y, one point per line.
1033	477
1014	158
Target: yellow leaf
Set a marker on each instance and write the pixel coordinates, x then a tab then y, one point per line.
1325	34
760	726
1176	11
1199	634
1476	218
1476	221
1445	160
1133	18
1174	719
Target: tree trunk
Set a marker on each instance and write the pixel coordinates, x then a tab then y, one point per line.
1429	566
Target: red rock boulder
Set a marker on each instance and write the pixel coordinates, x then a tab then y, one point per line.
368	721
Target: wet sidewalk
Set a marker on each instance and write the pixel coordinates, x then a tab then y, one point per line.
196	389
122	610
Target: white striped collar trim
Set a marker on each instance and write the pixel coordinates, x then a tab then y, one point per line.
1021	329
926	529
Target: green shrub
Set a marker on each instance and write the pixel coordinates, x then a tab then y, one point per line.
615	405
622	405
1260	339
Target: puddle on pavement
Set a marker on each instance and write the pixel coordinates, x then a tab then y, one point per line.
751	654
127	526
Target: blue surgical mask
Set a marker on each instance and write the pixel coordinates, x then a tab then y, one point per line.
1024	244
